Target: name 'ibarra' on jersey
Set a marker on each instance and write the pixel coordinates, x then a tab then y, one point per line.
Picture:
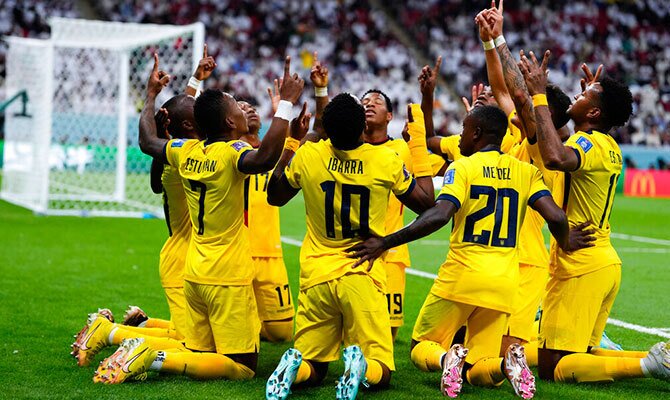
345	166
496	173
200	166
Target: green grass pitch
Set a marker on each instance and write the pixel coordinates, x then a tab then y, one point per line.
55	270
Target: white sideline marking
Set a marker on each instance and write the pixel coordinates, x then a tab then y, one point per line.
611	321
641	239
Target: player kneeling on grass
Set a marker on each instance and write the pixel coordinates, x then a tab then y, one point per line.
487	194
223	326
346	185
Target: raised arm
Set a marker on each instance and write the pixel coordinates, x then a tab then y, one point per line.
428	222
162	122
494	69
422	196
267	155
149	141
319	77
427	83
555	155
205	68
513	78
279	190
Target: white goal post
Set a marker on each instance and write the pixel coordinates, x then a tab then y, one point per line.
75	151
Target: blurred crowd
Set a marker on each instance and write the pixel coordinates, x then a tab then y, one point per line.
249	37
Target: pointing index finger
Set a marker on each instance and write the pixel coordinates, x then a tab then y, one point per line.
287	67
438	63
204	52
155	62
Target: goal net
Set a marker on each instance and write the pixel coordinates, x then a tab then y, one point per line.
73	150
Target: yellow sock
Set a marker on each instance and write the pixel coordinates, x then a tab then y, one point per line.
582	367
486	372
121	332
158	332
531	353
277	331
374	372
618	353
304	372
203	365
427	356
157	323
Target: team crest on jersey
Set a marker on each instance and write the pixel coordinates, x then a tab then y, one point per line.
405	172
239	145
449	177
177	143
584	143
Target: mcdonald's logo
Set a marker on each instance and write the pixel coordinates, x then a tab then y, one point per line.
643	184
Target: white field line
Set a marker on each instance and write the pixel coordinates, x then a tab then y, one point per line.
638	328
641	239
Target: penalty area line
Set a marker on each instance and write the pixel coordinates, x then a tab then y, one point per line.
423	274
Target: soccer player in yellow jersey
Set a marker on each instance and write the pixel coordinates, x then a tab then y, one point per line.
487	193
223	329
584	283
271	287
346	185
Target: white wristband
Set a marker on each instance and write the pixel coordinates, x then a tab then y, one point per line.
488	45
499	40
321	91
284	109
194	83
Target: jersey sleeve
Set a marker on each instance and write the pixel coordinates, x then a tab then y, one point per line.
455	184
242	149
449	146
582	145
294	169
513	135
403	182
173	150
538	188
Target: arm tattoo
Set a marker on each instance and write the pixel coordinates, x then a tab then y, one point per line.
513	77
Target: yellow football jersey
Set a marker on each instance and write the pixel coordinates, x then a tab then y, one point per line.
449	146
346	199
261	218
532	250
394	215
589	196
219	250
512	136
173	253
492	191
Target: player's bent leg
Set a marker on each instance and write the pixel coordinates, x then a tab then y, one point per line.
598	351
427	355
277	331
395	285
202	366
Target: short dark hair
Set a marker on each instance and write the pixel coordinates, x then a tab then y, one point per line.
389	104
344	121
559	102
210	111
176	108
616	101
491	119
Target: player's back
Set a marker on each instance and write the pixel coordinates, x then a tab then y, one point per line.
261	218
492	191
214	188
173	253
589	197
346	199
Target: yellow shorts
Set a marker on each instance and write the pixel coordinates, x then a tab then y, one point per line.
221	318
439	319
273	294
177	305
395	285
347	310
532	281
575	310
